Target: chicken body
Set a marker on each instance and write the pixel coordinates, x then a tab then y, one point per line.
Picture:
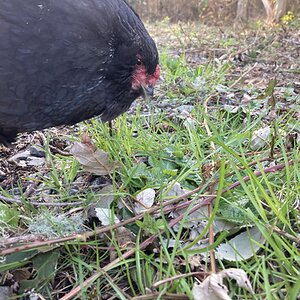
64	61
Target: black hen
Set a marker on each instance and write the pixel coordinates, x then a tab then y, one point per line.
64	61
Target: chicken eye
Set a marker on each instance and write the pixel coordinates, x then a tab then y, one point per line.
139	62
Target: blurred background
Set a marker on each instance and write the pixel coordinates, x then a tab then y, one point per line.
216	11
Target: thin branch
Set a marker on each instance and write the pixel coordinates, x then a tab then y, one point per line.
152	238
243	75
171	279
166	296
286	235
52	204
85	235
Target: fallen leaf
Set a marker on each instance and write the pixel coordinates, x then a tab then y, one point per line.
93	160
145	200
195	261
240	277
240	247
175	190
212	288
45	265
105	216
260	138
103	199
125	239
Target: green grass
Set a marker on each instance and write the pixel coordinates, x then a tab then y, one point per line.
156	150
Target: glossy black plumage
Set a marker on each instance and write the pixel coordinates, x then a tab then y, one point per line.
64	61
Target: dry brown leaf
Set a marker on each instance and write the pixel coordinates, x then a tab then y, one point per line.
212	288
125	237
93	160
195	261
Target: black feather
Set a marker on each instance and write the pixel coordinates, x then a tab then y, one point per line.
64	61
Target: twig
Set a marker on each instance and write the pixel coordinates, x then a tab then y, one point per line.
210	208
148	241
59	151
83	236
131	252
144	244
243	75
30	189
286	235
170	279
166	209
20	239
166	296
52	204
211	239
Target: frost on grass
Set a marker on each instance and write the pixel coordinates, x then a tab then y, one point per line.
56	226
213	288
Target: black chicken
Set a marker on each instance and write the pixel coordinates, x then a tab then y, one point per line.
64	61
